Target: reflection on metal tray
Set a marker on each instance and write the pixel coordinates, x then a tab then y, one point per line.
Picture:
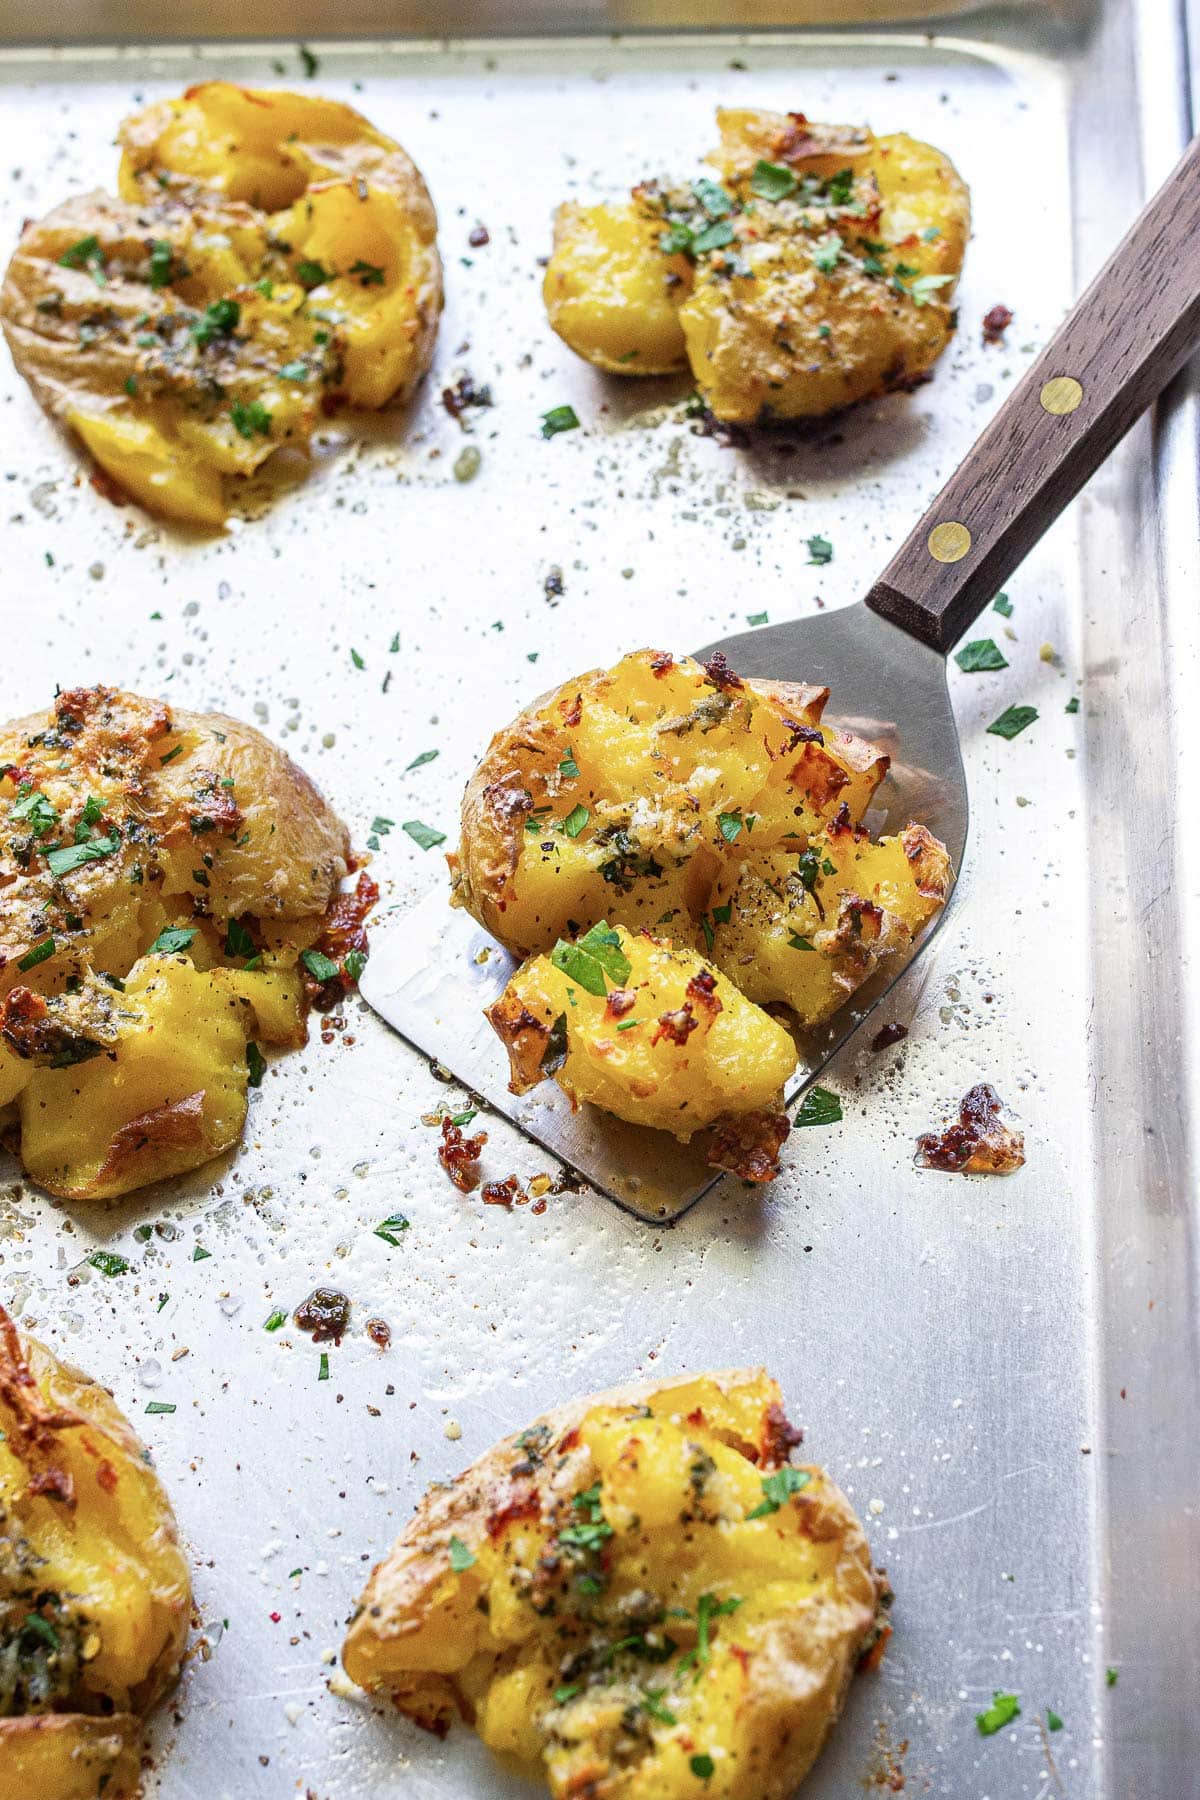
1003	1373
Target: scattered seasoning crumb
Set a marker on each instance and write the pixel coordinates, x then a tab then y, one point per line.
478	236
453	1430
464	396
996	322
979	1144
891	1034
326	1314
459	1155
553	587
468	463
379	1332
1046	652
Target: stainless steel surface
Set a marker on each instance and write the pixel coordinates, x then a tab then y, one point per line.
1004	1374
433	972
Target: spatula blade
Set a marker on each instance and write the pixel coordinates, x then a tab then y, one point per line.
431	975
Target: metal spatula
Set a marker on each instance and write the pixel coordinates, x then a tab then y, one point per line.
883	659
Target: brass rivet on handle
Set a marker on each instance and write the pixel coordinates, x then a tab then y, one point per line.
1061	395
949	542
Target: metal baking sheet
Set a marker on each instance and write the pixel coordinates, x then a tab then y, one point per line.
1002	1373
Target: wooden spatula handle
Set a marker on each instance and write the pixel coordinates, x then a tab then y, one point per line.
1112	356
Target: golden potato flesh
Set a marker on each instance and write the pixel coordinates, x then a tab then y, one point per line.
271	257
818	270
714	811
647	1030
162	874
94	1590
637	1598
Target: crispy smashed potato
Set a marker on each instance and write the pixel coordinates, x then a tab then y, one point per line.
637	1598
710	810
94	1590
271	257
162	874
818	270
647	1030
980	1142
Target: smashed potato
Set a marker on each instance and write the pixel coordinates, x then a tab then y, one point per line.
717	812
94	1590
638	1598
647	1030
817	271
168	901
271	257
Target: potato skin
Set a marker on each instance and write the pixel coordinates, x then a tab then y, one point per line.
809	302
695	805
126	1067
671	1044
90	1543
536	1671
171	327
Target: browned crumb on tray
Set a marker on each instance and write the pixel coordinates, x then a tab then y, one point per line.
980	1143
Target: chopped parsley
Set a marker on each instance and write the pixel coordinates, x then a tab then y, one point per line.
39	954
354	964
200	1254
69	857
568	766
1053	1722
772	181
820	550
256	1064
702	1766
424	836
730	824
575	821
85	253
1072	705
592	958
218	319
389	1228
308	61
715	200
796	942
981	657
777	1489
369	274
1003	605
1012	721
756	618
563	1694
160	1406
312	275
461	1558
1110	1677
319	966
323	1367
356	658
1003	1710
426	756
250	418
826	253
277	1318
38	811
925	288
294	371
238	941
559	418
162	264
652	1703
108	1262
713	237
819	1107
